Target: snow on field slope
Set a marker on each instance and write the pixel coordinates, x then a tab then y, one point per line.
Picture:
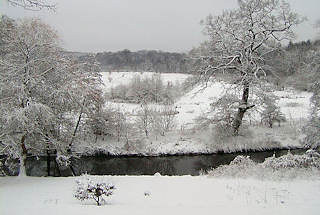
113	79
294	104
167	195
187	139
197	102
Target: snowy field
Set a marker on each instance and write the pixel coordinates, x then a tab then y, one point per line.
186	138
178	194
166	195
294	104
113	79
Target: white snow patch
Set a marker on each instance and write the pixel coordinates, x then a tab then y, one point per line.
167	195
186	139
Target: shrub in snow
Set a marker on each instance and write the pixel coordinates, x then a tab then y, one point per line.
147	193
285	167
310	159
242	161
88	188
241	166
224	110
272	114
164	119
63	160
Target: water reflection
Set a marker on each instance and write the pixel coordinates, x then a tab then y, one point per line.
165	165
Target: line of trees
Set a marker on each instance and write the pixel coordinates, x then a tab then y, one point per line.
51	101
146	90
151	61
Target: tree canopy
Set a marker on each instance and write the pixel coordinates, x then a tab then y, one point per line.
41	89
238	42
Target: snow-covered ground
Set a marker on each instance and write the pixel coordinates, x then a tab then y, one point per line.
178	194
294	104
166	195
113	79
186	138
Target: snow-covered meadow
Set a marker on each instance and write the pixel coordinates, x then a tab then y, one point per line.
162	195
179	194
294	104
186	138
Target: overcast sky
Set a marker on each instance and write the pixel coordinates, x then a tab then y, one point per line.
167	25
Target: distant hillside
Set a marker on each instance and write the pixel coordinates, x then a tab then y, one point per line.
145	60
152	61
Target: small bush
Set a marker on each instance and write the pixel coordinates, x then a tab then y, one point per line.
241	166
87	189
271	113
63	160
242	161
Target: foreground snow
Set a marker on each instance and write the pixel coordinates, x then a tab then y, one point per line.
166	195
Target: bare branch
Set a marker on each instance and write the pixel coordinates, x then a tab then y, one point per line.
34	5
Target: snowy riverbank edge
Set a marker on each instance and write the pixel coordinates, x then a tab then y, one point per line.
103	153
187	146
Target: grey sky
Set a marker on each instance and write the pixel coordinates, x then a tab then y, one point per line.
168	25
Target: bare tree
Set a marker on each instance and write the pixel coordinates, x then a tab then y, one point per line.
33	4
164	119
239	41
144	119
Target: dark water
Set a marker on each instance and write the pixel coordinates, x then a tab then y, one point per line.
165	165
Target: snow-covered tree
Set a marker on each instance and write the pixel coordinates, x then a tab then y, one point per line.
29	56
313	127
84	92
239	40
41	90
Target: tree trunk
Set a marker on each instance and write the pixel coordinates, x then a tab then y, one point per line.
243	107
75	132
76	128
48	162
23	158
